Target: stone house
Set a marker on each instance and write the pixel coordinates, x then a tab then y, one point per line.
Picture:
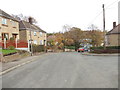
113	36
9	26
30	31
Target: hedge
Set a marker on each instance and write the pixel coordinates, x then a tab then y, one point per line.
108	47
38	48
99	51
70	47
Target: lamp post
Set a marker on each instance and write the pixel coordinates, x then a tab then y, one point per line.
31	49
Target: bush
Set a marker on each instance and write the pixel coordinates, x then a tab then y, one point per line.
38	48
21	51
70	47
12	39
11	47
99	51
108	47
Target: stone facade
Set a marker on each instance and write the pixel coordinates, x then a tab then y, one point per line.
113	36
9	27
28	31
113	40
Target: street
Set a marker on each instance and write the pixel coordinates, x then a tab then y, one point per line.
65	70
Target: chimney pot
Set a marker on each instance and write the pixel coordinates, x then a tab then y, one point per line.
30	20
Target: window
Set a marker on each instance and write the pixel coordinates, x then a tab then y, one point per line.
35	42
35	33
13	23
4	21
40	33
41	42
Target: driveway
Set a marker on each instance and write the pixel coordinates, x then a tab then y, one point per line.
65	70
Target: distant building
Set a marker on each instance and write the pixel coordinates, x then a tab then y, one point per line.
112	37
38	36
9	26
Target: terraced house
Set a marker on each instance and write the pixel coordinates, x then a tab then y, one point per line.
9	26
113	36
30	31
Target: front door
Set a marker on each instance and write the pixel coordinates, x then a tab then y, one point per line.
5	35
14	36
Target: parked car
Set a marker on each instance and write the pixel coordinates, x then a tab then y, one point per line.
80	49
83	49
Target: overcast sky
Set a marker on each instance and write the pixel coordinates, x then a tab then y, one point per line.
51	15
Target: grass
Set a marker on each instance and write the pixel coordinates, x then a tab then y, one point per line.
8	51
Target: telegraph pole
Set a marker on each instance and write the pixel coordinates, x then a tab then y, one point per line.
104	25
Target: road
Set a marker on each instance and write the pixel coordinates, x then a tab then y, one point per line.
65	70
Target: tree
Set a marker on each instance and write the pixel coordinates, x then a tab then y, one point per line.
25	18
93	27
75	34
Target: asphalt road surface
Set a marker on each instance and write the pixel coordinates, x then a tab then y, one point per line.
65	70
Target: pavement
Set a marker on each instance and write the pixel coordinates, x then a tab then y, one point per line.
8	66
65	70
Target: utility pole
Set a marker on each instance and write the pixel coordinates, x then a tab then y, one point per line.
30	21
104	25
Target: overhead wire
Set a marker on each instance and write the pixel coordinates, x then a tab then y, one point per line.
102	11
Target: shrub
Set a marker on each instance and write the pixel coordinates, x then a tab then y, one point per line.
38	48
12	39
99	51
108	47
70	47
11	47
21	51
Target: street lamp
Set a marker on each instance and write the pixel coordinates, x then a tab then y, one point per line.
30	21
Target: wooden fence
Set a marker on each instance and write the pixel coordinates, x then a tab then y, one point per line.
15	43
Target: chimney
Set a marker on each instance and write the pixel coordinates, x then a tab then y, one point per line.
114	24
30	20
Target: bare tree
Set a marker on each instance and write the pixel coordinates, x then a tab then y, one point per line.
25	18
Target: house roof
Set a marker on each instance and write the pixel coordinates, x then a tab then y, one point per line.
23	25
115	30
6	15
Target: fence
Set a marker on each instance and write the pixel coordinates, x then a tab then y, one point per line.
15	43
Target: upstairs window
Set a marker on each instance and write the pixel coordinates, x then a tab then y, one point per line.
35	33
40	33
13	23
4	21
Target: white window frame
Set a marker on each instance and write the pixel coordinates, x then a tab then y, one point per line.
4	21
35	33
13	23
41	42
41	34
35	41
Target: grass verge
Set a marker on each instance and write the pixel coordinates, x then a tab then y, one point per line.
8	51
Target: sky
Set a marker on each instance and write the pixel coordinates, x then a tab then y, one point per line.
52	15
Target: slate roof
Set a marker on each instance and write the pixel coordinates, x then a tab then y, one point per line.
23	25
6	15
115	30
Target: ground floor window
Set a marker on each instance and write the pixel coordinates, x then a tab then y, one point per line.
14	36
35	42
41	42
